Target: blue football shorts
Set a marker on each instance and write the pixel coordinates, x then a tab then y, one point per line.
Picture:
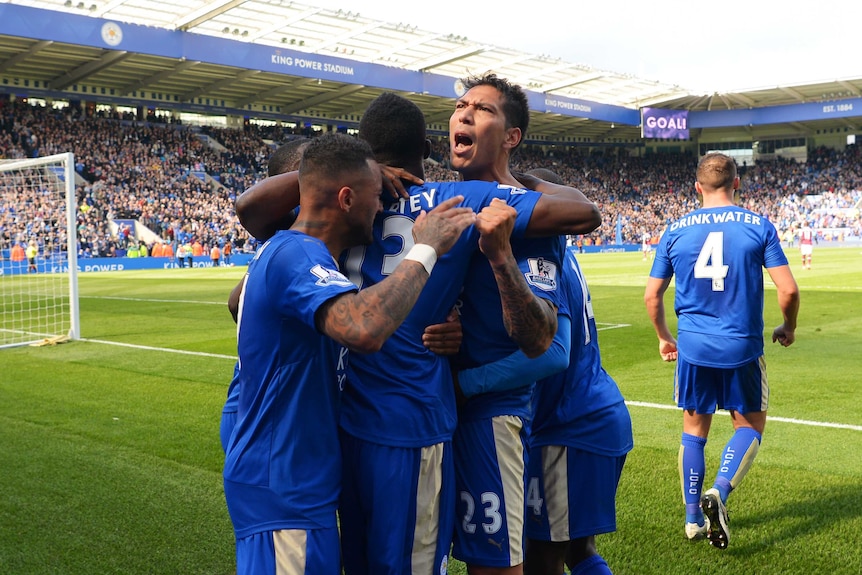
571	493
397	507
743	389
289	552
490	479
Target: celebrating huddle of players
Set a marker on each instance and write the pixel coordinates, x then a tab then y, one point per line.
418	367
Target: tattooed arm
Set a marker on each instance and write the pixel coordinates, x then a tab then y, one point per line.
530	320
364	320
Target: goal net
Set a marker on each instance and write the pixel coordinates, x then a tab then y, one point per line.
38	251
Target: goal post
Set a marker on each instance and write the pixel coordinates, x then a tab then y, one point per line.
38	251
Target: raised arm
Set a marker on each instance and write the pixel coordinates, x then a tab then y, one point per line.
561	210
788	302
268	206
530	320
364	320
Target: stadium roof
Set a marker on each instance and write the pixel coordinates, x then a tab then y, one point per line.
347	34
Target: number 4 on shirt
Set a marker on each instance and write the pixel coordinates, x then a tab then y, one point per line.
710	261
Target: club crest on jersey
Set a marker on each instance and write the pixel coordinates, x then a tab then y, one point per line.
542	274
329	277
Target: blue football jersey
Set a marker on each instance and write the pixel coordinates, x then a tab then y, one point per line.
485	336
572	407
718	256
232	400
403	395
283	463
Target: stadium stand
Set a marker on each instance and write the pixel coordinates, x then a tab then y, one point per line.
144	171
138	159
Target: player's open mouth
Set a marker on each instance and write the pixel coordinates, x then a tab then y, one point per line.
462	142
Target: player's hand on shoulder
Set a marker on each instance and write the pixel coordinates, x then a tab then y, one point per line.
441	227
394	178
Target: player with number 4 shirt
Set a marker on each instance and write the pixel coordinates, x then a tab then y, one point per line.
717	254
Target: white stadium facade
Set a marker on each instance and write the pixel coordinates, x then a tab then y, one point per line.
281	61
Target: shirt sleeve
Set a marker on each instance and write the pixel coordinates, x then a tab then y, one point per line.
517	370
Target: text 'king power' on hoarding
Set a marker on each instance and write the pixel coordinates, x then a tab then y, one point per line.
664	124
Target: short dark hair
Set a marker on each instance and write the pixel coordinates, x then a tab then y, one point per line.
334	156
716	171
516	109
287	157
394	127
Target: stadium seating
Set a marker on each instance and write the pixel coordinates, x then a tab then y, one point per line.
181	182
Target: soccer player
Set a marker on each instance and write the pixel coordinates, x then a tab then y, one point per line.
646	248
398	411
286	158
581	432
490	442
717	254
299	316
398	414
806	245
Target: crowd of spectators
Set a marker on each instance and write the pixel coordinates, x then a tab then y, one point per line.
641	195
128	170
181	182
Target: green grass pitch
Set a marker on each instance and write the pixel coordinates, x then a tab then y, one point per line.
110	459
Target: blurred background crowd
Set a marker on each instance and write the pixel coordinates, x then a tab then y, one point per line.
180	182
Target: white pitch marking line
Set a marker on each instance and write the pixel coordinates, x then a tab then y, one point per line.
634	403
166	349
224	303
770	418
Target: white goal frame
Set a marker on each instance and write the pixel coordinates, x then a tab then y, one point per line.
20	318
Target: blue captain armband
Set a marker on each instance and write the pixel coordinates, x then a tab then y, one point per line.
517	370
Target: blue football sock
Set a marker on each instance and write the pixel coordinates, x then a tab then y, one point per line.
595	565
736	459
692	468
